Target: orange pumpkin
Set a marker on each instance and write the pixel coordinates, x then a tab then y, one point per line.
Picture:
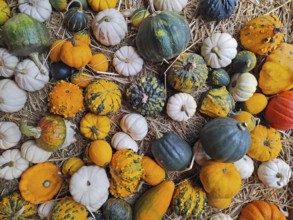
153	173
255	104
99	62
219	203
100	152
71	165
81	79
83	36
246	117
55	50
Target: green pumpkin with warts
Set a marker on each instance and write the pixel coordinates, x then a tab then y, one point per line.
188	73
76	19
219	77
117	209
244	62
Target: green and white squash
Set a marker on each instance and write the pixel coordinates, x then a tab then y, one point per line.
244	62
117	209
8	62
76	19
219	77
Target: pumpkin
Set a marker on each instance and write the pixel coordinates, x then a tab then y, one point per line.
11	101
265	143
38	9
151	205
75	18
146	95
89	190
171	151
216	178
200	156
188	73
244	62
77	4
55	50
109	27
45	209
59	5
13	206
225	139
127	62
46	179
219	49
188	200
277	61
279	112
261	210
102	97
219	77
12	165
169	5
275	173
81	79
83	36
32	153
134	125
245	167
99	5
217	102
153	174
262	34
4	12
29	77
168	35
246	117
220	216
99	62
100	152
219	203
10	135
94	126
66	99
242	86
49	134
117	209
71	166
213	10
121	140
255	104
60	71
8	62
181	107
138	16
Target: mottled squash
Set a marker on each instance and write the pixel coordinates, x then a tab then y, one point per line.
244	62
117	209
219	77
255	104
153	174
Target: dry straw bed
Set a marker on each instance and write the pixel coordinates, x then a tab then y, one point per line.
252	189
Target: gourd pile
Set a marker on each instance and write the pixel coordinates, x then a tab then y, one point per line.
90	113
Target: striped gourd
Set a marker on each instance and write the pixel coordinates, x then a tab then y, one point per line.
67	208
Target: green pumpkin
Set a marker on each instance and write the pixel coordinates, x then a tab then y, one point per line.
225	139
138	16
59	5
219	77
188	73
76	19
162	36
171	152
147	95
244	62
117	209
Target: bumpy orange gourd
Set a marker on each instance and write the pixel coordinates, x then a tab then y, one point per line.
246	117
99	62
66	99
55	50
81	79
40	183
262	34
83	36
265	143
99	5
219	203
255	104
261	210
100	152
153	173
71	165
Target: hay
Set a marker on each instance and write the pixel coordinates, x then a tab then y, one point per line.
252	188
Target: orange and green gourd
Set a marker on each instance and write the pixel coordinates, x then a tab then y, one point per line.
244	62
138	16
153	173
100	152
81	79
255	104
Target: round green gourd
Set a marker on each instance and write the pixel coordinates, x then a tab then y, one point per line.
219	77
76	19
188	73
225	139
244	62
117	209
171	152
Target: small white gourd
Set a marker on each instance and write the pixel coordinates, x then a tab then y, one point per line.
170	5
121	140
8	62
135	125
200	156
9	135
32	153
45	209
38	9
245	167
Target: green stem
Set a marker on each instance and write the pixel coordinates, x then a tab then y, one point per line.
35	57
105	18
152	7
14	69
30	131
183	109
216	51
125	60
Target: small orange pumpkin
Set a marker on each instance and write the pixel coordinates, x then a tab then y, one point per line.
83	36
246	117
153	173
71	165
255	104
55	50
219	203
100	152
81	79
99	62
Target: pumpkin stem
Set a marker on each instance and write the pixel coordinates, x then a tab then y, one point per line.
242	126
216	51
35	57
125	60
14	69
190	66
73	42
281	177
152	7
105	18
46	183
248	63
144	98
183	109
94	130
8	164
30	131
278	30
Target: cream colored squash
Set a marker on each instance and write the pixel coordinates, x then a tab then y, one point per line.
32	153
200	156
8	63
45	209
9	135
38	9
135	125
70	134
245	167
220	216
121	140
170	5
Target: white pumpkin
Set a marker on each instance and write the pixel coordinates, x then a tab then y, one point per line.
12	98
29	77
70	134
89	186
181	107
170	5
32	153
242	86
121	140
38	9
45	209
200	156
275	173
220	216
8	63
109	27
9	135
135	125
127	62
12	165
219	49
245	167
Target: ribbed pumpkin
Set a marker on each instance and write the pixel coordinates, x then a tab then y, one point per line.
55	50
71	165
244	62
147	95
219	77
188	200
117	209
246	117
81	79
265	143
225	139
279	112
99	5
218	202
255	104
262	34
103	97
75	18
100	152
153	174
188	73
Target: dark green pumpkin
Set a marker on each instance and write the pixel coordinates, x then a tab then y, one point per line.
76	19
163	35
25	35
244	62
117	209
219	77
60	70
188	73
225	139
59	5
171	152
147	95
